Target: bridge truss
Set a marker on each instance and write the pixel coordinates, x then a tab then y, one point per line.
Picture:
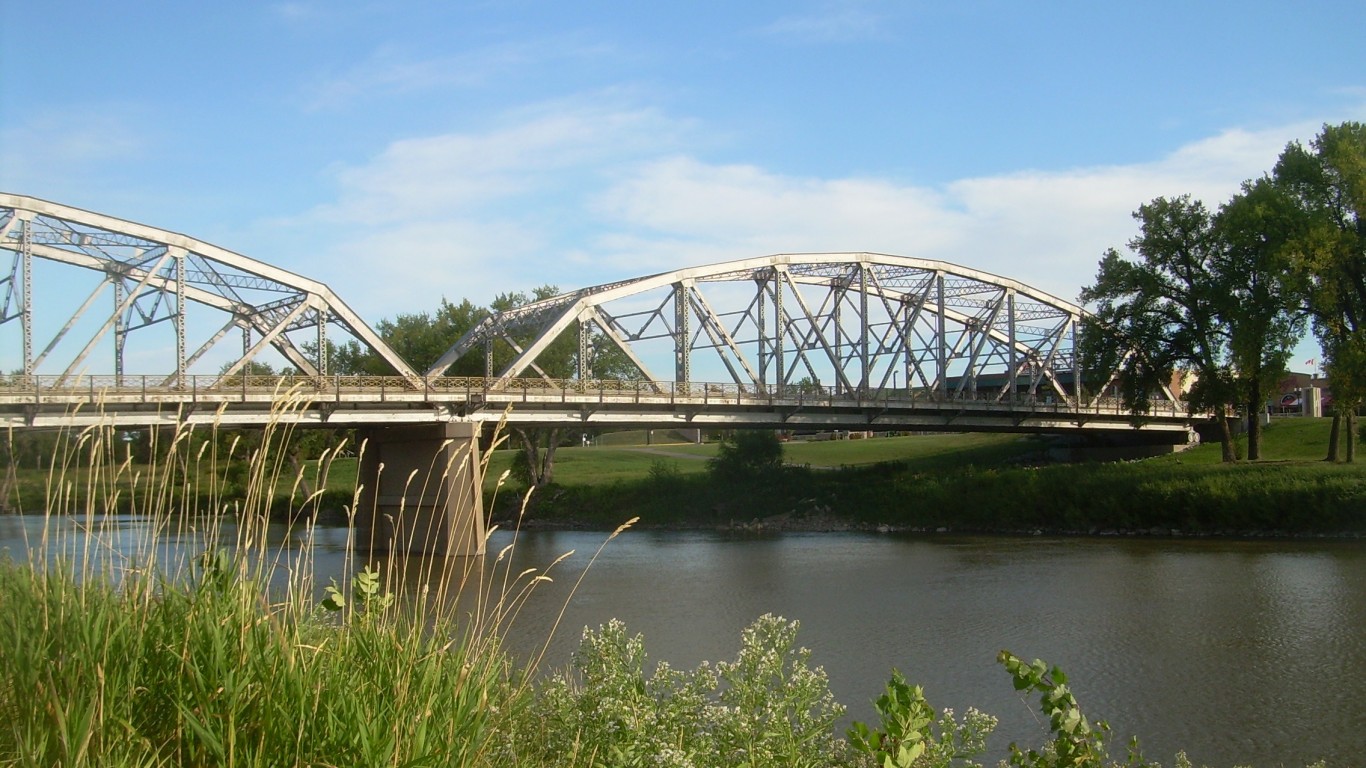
791	341
853	324
196	294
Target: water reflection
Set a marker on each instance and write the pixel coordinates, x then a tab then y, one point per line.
1237	652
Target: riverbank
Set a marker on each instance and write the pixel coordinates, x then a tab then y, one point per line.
917	484
996	487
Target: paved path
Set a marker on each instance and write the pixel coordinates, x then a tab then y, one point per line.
679	455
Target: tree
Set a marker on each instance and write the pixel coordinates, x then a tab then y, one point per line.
1161	313
538	444
1263	314
1327	184
607	361
419	337
747	454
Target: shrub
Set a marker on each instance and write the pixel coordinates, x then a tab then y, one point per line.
745	454
768	707
910	734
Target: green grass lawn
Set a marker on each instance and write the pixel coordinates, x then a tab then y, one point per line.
932	449
623	457
1284	439
599	465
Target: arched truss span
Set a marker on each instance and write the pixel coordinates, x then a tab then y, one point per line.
851	322
160	278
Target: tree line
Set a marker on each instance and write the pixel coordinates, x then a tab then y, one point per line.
1223	296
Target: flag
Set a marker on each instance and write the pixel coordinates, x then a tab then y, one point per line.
1311	361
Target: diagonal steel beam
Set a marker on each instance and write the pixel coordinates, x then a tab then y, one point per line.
203	348
267	339
118	312
814	327
716	329
605	324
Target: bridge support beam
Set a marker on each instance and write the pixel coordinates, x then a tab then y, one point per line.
421	492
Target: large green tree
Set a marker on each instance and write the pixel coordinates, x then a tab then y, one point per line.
1263	312
1327	182
1160	313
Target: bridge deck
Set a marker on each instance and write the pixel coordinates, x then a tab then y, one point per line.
134	401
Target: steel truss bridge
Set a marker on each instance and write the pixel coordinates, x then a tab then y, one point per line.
854	341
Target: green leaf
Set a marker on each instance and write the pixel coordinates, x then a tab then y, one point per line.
334	599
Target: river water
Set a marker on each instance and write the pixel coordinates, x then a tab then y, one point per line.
1238	652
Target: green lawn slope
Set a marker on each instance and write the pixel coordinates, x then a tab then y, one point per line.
974	482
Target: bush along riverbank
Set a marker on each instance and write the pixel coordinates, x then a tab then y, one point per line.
1183	494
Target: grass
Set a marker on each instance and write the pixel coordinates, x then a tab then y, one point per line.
893	480
598	466
975	482
927	449
1284	439
129	656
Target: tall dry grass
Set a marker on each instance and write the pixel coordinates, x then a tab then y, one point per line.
224	650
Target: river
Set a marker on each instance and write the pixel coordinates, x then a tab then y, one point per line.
1238	652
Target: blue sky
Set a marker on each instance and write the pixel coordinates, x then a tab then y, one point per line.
407	151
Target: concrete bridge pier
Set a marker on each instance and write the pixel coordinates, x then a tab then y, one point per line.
421	489
1121	446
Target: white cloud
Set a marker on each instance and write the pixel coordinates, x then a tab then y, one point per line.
1047	229
412	267
576	195
458	172
389	70
59	154
469	215
744	211
395	69
837	22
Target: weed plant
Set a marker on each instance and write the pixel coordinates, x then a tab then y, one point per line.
767	707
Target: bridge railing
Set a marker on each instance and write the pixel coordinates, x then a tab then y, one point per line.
18	389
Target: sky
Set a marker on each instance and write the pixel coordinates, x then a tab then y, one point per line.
406	152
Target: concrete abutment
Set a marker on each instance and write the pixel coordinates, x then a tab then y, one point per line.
421	489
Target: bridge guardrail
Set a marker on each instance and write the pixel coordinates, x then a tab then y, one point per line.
39	389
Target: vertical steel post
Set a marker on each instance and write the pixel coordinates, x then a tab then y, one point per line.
908	328
120	330
779	333
942	353
761	283
585	366
26	311
324	354
1076	361
682	335
838	288
246	350
863	325
1014	354
180	320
